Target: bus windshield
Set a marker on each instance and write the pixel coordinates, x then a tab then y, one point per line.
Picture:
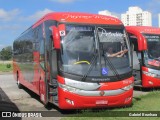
152	55
97	51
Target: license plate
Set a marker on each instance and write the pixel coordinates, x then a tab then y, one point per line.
101	102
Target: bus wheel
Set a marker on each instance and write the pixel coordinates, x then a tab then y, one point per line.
47	106
18	83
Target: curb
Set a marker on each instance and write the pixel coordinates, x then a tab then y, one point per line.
4	73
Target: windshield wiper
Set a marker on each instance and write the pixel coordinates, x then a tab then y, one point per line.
112	67
110	64
93	60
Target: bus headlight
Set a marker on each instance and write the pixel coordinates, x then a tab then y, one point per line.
151	74
128	87
68	88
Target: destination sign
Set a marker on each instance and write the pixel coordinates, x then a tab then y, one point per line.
79	28
155	38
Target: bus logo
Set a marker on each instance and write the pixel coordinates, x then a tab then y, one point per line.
101	93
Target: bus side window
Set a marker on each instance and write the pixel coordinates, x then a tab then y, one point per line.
139	55
48	32
42	53
41	48
135	48
36	42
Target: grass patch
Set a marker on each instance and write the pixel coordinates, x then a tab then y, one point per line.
149	102
4	68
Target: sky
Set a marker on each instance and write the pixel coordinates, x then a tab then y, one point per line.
18	15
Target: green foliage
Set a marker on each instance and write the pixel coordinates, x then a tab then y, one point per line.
8	65
4	68
6	53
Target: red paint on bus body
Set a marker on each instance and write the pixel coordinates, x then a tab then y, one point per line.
144	29
116	85
80	102
147	80
79	18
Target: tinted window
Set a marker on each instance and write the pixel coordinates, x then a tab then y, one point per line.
48	24
133	40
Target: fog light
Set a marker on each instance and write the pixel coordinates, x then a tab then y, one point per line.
70	101
128	99
150	82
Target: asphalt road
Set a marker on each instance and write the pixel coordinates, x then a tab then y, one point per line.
12	98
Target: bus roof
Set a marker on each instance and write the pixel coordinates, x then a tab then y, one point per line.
75	17
143	29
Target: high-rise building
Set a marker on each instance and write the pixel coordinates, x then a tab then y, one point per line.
159	19
137	17
106	12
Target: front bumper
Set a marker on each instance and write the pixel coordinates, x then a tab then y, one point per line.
68	100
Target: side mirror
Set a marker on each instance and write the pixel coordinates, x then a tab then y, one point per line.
142	43
56	37
57	33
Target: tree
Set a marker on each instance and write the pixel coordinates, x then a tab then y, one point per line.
6	53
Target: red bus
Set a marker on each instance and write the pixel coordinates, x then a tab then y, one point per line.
62	58
146	55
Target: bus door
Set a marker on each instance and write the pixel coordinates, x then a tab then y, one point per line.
48	67
43	91
53	84
137	58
